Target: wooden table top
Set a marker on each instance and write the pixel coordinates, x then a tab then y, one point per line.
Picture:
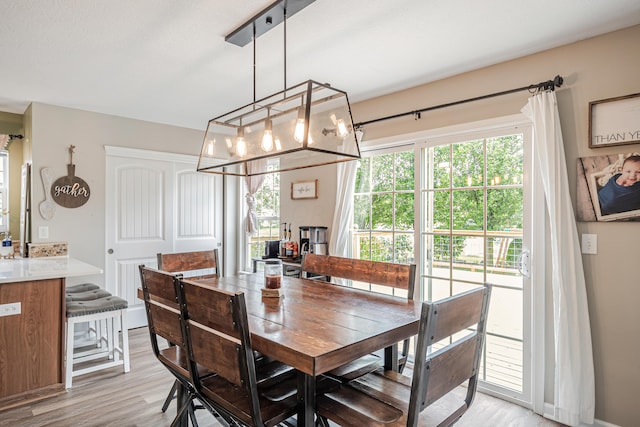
317	326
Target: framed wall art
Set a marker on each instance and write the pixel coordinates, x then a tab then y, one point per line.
304	190
609	188
614	121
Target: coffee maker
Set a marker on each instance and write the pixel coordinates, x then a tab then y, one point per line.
313	239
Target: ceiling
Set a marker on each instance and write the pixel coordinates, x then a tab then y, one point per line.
166	61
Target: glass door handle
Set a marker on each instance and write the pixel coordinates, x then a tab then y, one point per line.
524	263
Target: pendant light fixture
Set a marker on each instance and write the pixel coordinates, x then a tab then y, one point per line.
303	126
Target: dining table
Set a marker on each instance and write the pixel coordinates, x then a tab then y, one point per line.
316	326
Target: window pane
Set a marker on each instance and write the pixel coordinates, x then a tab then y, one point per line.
504	209
361	213
468	209
404	170
441	167
382	212
468	163
382	173
404	211
441	210
404	248
382	247
505	157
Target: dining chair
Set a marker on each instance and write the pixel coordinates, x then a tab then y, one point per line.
447	355
159	290
198	264
216	330
400	277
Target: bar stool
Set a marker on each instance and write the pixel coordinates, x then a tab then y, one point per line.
109	309
93	333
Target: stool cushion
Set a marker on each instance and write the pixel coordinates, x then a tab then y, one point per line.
88	295
81	308
81	288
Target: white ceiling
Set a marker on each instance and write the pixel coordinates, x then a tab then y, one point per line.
166	61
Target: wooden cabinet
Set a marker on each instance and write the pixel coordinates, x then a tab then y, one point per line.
32	342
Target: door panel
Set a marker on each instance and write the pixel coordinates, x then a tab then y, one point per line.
155	204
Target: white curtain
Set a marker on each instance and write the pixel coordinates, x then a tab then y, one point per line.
341	224
574	383
253	185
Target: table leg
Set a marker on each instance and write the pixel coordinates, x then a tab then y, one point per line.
391	358
306	400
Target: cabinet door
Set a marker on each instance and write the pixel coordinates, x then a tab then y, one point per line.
31	342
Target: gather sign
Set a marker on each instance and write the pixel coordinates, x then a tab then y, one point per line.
70	191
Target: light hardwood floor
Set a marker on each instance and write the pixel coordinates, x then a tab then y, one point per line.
111	398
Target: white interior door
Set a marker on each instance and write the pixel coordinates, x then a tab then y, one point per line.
156	202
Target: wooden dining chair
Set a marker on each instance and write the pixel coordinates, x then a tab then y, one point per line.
216	331
159	290
192	265
400	277
387	398
198	264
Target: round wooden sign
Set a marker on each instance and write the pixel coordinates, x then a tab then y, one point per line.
70	191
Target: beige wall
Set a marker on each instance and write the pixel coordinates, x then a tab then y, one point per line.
309	211
53	130
598	68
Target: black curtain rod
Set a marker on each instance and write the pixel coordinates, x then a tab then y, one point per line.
548	85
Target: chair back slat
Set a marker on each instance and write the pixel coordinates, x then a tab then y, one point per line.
212	307
455	314
159	290
165	322
450	368
186	262
217	352
399	276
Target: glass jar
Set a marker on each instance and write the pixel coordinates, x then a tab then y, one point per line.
272	273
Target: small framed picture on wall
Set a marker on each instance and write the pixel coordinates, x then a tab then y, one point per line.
614	121
304	190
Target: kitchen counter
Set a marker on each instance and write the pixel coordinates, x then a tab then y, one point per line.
32	326
28	269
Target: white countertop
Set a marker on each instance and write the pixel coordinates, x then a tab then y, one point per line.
24	269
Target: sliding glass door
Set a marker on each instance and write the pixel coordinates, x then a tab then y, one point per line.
457	207
473	199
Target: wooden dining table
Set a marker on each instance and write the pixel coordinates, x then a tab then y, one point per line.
315	326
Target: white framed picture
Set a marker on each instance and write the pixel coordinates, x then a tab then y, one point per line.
614	121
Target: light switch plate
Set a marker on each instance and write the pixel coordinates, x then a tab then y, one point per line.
590	244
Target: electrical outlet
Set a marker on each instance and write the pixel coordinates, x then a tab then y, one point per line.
10	309
43	232
590	244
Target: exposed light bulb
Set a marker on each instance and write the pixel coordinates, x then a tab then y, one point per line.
241	145
267	138
229	143
278	144
341	128
210	147
298	133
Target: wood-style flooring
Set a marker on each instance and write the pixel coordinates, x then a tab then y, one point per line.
111	398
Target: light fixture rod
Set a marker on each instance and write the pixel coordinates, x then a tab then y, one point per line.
242	35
